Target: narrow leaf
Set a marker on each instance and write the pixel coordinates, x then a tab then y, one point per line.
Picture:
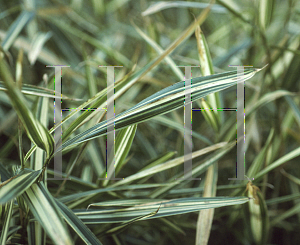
167	208
36	132
6	222
16	185
16	28
44	209
162	102
81	229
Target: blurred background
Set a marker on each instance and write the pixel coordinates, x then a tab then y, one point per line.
86	34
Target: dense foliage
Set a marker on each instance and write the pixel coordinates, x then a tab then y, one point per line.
151	203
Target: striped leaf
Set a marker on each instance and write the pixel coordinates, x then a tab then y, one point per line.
120	87
45	210
36	46
81	229
15	29
161	5
149	171
287	157
36	234
266	9
121	227
37	91
162	102
167	208
205	217
6	222
17	184
35	130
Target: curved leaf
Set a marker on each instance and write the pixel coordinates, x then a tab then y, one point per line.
16	185
162	102
35	130
81	229
45	210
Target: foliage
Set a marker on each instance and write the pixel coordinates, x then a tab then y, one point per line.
151	203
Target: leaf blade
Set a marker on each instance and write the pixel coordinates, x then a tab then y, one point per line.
44	209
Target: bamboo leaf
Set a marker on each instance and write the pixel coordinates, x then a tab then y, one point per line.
16	28
266	9
42	115
159	50
36	234
81	229
37	91
123	144
81	195
17	184
44	209
205	217
196	170
161	5
6	222
36	46
162	102
278	162
166	165
167	208
36	132
99	99
121	227
266	99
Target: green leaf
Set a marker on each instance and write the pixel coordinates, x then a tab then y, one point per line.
167	165
162	102
45	210
123	144
16	28
161	5
197	170
84	194
35	130
159	50
16	185
5	175
121	227
36	234
81	229
37	91
266	9
36	46
6	222
167	208
278	162
100	98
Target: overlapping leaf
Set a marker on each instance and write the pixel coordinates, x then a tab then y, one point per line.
35	130
45	210
81	229
167	208
162	102
36	91
16	185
